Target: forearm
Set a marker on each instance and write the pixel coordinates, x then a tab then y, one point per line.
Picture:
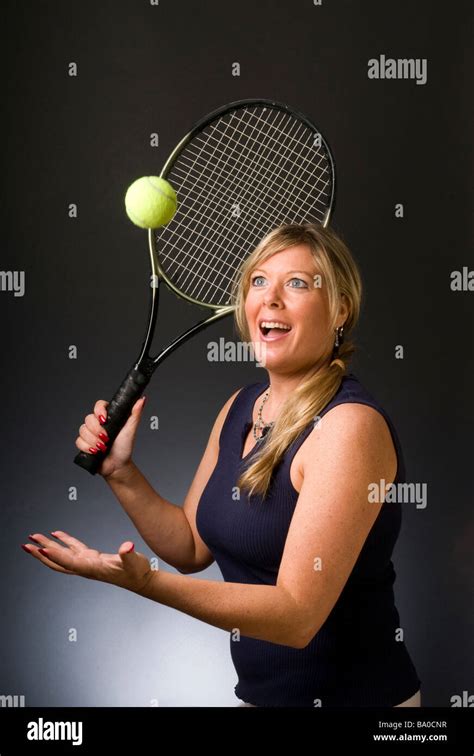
161	524
265	612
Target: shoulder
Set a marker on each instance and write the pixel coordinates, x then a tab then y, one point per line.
352	417
349	430
348	422
352	406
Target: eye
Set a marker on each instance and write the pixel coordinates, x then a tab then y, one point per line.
297	283
257	280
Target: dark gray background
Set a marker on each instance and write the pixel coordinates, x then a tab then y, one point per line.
146	69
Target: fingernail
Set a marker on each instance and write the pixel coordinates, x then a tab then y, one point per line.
144	401
104	436
92	450
43	552
33	539
24	548
133	546
101	419
100	445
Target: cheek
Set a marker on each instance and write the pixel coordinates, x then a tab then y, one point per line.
247	309
307	307
314	318
249	315
250	305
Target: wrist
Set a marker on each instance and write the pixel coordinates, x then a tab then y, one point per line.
149	586
121	474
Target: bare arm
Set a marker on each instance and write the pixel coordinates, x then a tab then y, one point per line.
161	524
265	612
168	529
332	519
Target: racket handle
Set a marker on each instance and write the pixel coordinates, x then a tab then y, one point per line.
118	412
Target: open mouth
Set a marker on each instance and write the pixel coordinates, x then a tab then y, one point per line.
272	330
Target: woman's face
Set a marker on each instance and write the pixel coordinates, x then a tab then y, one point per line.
284	291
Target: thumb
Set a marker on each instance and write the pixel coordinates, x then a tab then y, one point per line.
136	413
136	566
138	406
127	554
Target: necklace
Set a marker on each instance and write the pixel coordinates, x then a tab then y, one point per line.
260	425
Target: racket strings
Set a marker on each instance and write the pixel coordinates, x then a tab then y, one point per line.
244	174
271	173
247	192
206	238
212	224
193	239
211	233
283	156
278	144
198	292
284	184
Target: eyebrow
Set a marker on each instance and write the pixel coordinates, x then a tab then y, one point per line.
306	273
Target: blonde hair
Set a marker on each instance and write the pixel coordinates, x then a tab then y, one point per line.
340	276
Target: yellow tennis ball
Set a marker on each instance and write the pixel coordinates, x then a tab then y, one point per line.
150	202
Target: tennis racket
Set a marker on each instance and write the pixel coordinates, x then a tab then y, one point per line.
242	171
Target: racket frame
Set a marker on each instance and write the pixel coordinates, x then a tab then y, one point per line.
197	128
138	377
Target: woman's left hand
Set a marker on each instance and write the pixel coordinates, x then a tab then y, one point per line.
127	569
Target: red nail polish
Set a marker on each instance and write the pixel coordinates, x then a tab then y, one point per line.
33	539
24	548
104	437
92	450
101	419
100	445
43	552
130	550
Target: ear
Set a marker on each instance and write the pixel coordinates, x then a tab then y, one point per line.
343	309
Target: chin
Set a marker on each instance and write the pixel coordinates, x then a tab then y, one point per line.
276	364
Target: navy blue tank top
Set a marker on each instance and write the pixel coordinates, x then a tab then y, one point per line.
358	657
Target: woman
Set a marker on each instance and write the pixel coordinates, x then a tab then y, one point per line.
280	499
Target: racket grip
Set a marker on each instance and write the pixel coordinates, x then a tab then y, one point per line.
118	412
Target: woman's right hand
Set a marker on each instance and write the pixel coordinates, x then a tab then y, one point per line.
92	435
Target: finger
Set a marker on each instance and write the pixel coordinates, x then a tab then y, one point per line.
93	438
41	540
95	427
41	558
84	447
88	436
58	556
38	539
100	410
72	542
47	543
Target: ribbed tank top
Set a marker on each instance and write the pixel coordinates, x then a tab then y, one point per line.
358	657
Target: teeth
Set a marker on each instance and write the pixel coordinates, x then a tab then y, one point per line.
274	324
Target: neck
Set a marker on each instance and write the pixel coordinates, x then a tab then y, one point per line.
281	386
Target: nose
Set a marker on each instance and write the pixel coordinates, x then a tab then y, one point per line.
272	297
